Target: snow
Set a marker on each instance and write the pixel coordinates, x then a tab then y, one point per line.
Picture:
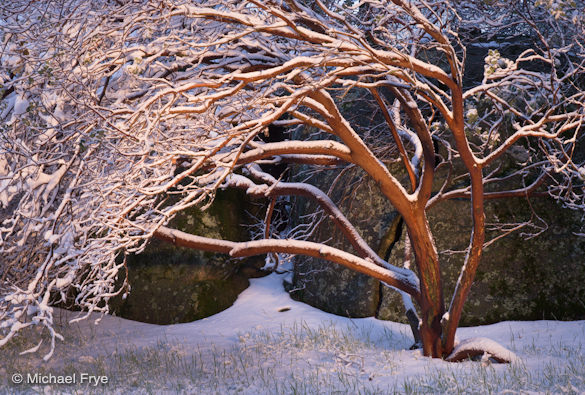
481	346
20	105
267	342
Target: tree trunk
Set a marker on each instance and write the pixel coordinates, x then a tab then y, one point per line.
431	299
471	261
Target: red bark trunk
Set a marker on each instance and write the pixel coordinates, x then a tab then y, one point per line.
431	299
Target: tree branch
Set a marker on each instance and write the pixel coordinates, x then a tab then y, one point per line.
404	279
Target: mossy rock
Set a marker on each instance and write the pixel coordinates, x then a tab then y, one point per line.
172	284
519	278
173	293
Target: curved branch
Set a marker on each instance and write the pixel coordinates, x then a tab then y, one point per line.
405	280
329	148
422	131
361	155
397	139
534	130
466	194
310	191
322	160
182	239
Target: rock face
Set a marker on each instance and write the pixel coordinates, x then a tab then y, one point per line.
172	285
331	287
335	289
518	279
165	293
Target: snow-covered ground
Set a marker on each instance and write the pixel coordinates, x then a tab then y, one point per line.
267	343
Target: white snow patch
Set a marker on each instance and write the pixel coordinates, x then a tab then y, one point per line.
20	104
267	341
482	346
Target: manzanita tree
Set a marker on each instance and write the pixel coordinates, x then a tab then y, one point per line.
117	115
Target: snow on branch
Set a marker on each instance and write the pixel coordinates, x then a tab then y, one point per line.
480	346
403	279
116	116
